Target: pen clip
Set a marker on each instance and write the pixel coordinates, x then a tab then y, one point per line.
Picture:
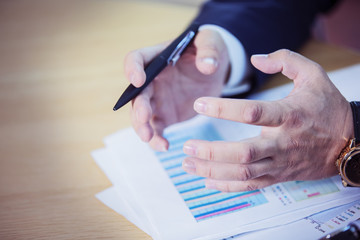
175	55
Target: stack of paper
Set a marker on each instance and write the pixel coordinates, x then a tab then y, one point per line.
151	189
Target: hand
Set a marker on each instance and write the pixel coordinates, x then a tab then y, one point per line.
301	137
201	71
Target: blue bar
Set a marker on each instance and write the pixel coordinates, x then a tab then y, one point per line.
191	189
188	181
201	195
173	166
181	155
177	174
220	209
221	200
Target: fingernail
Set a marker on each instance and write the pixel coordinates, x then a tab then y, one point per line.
190	150
210	61
210	185
260	55
162	148
189	166
200	106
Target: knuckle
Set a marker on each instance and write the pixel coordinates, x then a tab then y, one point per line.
209	153
285	53
252	187
210	173
292	145
244	173
249	156
294	118
205	170
290	164
253	113
317	68
219	110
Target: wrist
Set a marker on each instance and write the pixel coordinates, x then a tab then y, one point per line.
348	162
349	129
355	109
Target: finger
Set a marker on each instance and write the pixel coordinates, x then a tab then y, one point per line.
135	62
149	130
246	151
227	171
143	130
141	105
209	46
158	142
240	186
292	65
240	110
141	114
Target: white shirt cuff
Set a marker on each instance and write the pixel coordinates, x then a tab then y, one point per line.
238	80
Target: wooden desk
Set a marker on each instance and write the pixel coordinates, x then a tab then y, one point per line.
60	74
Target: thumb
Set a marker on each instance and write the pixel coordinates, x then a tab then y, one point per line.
290	64
209	45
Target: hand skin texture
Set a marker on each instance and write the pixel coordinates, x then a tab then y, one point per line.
201	71
301	137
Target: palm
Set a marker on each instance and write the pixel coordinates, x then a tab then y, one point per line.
176	89
170	97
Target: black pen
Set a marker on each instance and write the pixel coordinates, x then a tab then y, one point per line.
170	55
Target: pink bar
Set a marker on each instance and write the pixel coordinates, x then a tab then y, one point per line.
224	211
313	194
248	195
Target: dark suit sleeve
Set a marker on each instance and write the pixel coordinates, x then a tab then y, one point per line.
263	26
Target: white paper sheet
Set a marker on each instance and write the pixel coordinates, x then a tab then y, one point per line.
120	199
312	227
163	205
144	193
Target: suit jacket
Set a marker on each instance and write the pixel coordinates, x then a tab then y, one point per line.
263	26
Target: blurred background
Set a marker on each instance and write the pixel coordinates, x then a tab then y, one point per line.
61	72
187	2
340	26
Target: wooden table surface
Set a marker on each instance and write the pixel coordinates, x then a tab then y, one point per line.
61	71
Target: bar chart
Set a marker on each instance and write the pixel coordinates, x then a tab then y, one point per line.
202	203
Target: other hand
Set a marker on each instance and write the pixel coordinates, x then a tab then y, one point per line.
201	71
301	137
